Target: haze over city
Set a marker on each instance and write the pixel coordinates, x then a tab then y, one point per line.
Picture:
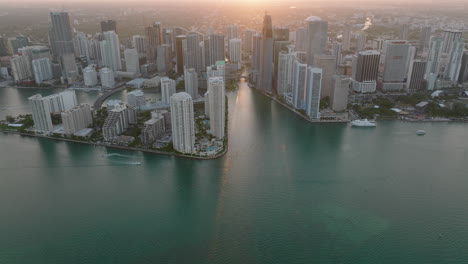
247	131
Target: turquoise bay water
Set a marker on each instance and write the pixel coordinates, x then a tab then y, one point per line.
286	192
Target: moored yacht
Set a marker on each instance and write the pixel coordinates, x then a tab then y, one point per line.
363	123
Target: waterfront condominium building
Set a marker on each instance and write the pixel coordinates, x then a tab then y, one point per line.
118	120
235	50
132	61
339	93
21	68
191	82
107	77
267	55
299	83
327	63
168	88
182	122
42	70
69	68
180	43
90	76
416	71
76	119
313	87
365	71
217	105
108	25
61	102
60	34
256	59
82	46
136	98
153	128
317	30
285	71
41	114
110	51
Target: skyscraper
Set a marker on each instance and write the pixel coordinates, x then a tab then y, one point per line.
280	34
463	78
42	70
179	43
299	84
153	35
396	57
132	61
82	46
168	88
339	93
139	43
313	88
235	50
433	61
163	61
256	59
232	32
193	52
76	119
449	37
191	82
328	65
183	125
110	51
61	34
248	38
41	114
425	37
416	72
452	70
107	78
90	76
217	104
361	41
215	49
267	55
365	71
347	38
404	32
317	30
108	25
21	68
301	39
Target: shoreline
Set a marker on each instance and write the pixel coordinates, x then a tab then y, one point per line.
297	112
217	156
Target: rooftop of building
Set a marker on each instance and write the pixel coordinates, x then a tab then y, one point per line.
313	18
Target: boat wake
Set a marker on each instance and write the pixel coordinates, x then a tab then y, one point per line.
121	159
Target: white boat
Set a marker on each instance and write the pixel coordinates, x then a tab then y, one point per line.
420	132
363	123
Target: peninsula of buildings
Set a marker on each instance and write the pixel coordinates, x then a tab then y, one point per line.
325	69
